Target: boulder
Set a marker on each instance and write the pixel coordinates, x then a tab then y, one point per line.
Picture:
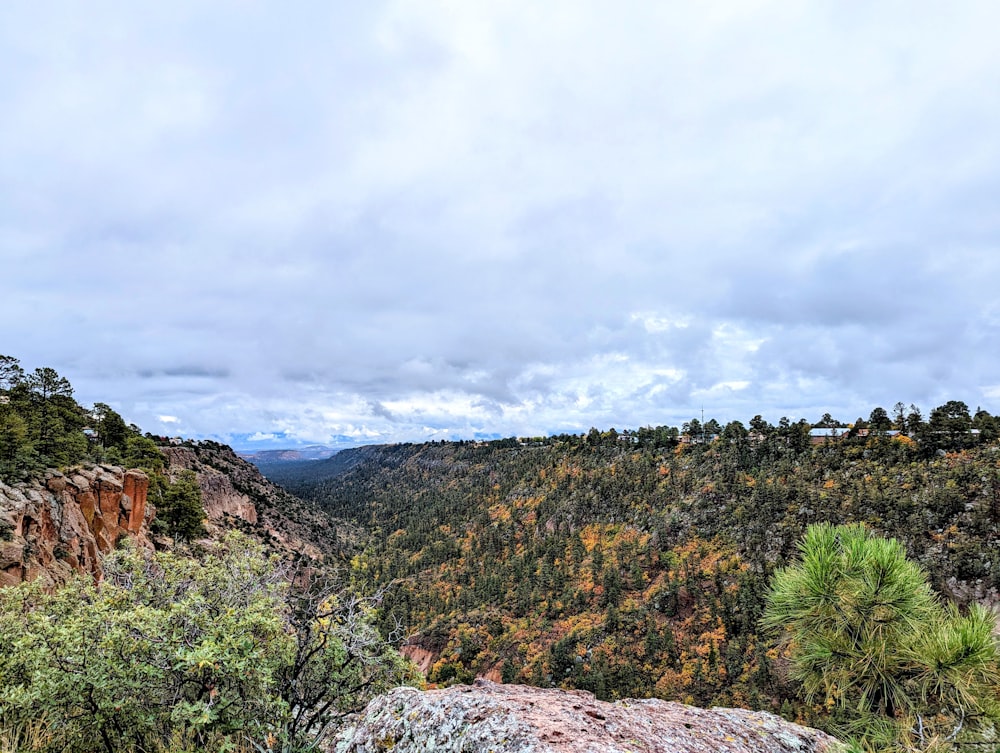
519	719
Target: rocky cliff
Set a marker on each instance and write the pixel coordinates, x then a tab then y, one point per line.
218	495
236	495
62	523
519	719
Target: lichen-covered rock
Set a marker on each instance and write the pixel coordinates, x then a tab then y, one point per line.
492	718
62	524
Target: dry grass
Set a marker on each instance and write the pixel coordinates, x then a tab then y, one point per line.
25	737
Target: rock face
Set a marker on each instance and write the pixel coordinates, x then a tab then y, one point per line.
63	523
514	718
236	495
422	657
218	495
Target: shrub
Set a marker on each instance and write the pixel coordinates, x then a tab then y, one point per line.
171	648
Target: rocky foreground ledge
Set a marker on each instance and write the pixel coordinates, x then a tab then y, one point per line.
487	717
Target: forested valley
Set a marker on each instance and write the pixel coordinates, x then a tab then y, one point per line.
667	562
637	564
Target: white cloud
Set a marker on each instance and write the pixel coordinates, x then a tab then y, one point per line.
471	217
262	437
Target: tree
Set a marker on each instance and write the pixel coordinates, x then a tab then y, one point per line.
987	425
666	436
827	422
879	421
865	633
16	452
41	422
142	452
340	658
46	383
57	418
693	429
949	425
899	417
111	428
761	427
735	431
179	507
11	373
797	435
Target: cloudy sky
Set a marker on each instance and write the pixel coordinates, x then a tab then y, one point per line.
406	219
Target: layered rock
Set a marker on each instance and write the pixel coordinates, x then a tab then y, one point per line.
519	719
64	523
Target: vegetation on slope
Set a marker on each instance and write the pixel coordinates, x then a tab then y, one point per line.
634	565
42	426
205	646
285	524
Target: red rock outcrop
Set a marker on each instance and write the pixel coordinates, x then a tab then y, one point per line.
63	523
420	656
519	719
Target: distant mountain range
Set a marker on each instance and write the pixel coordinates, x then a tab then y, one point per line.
269	457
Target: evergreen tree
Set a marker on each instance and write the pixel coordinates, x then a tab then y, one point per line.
16	453
949	426
180	509
866	634
111	428
11	373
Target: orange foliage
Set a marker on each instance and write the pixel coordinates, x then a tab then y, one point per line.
590	535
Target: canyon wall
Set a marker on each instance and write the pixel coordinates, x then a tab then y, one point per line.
63	523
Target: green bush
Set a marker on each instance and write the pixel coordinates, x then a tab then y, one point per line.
169	648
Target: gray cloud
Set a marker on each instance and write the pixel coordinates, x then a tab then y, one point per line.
405	221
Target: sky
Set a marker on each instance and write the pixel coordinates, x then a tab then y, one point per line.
326	222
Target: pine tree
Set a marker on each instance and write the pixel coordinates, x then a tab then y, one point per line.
866	635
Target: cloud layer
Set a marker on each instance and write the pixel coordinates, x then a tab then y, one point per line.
406	220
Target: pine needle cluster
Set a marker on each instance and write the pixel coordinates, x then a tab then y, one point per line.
868	638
